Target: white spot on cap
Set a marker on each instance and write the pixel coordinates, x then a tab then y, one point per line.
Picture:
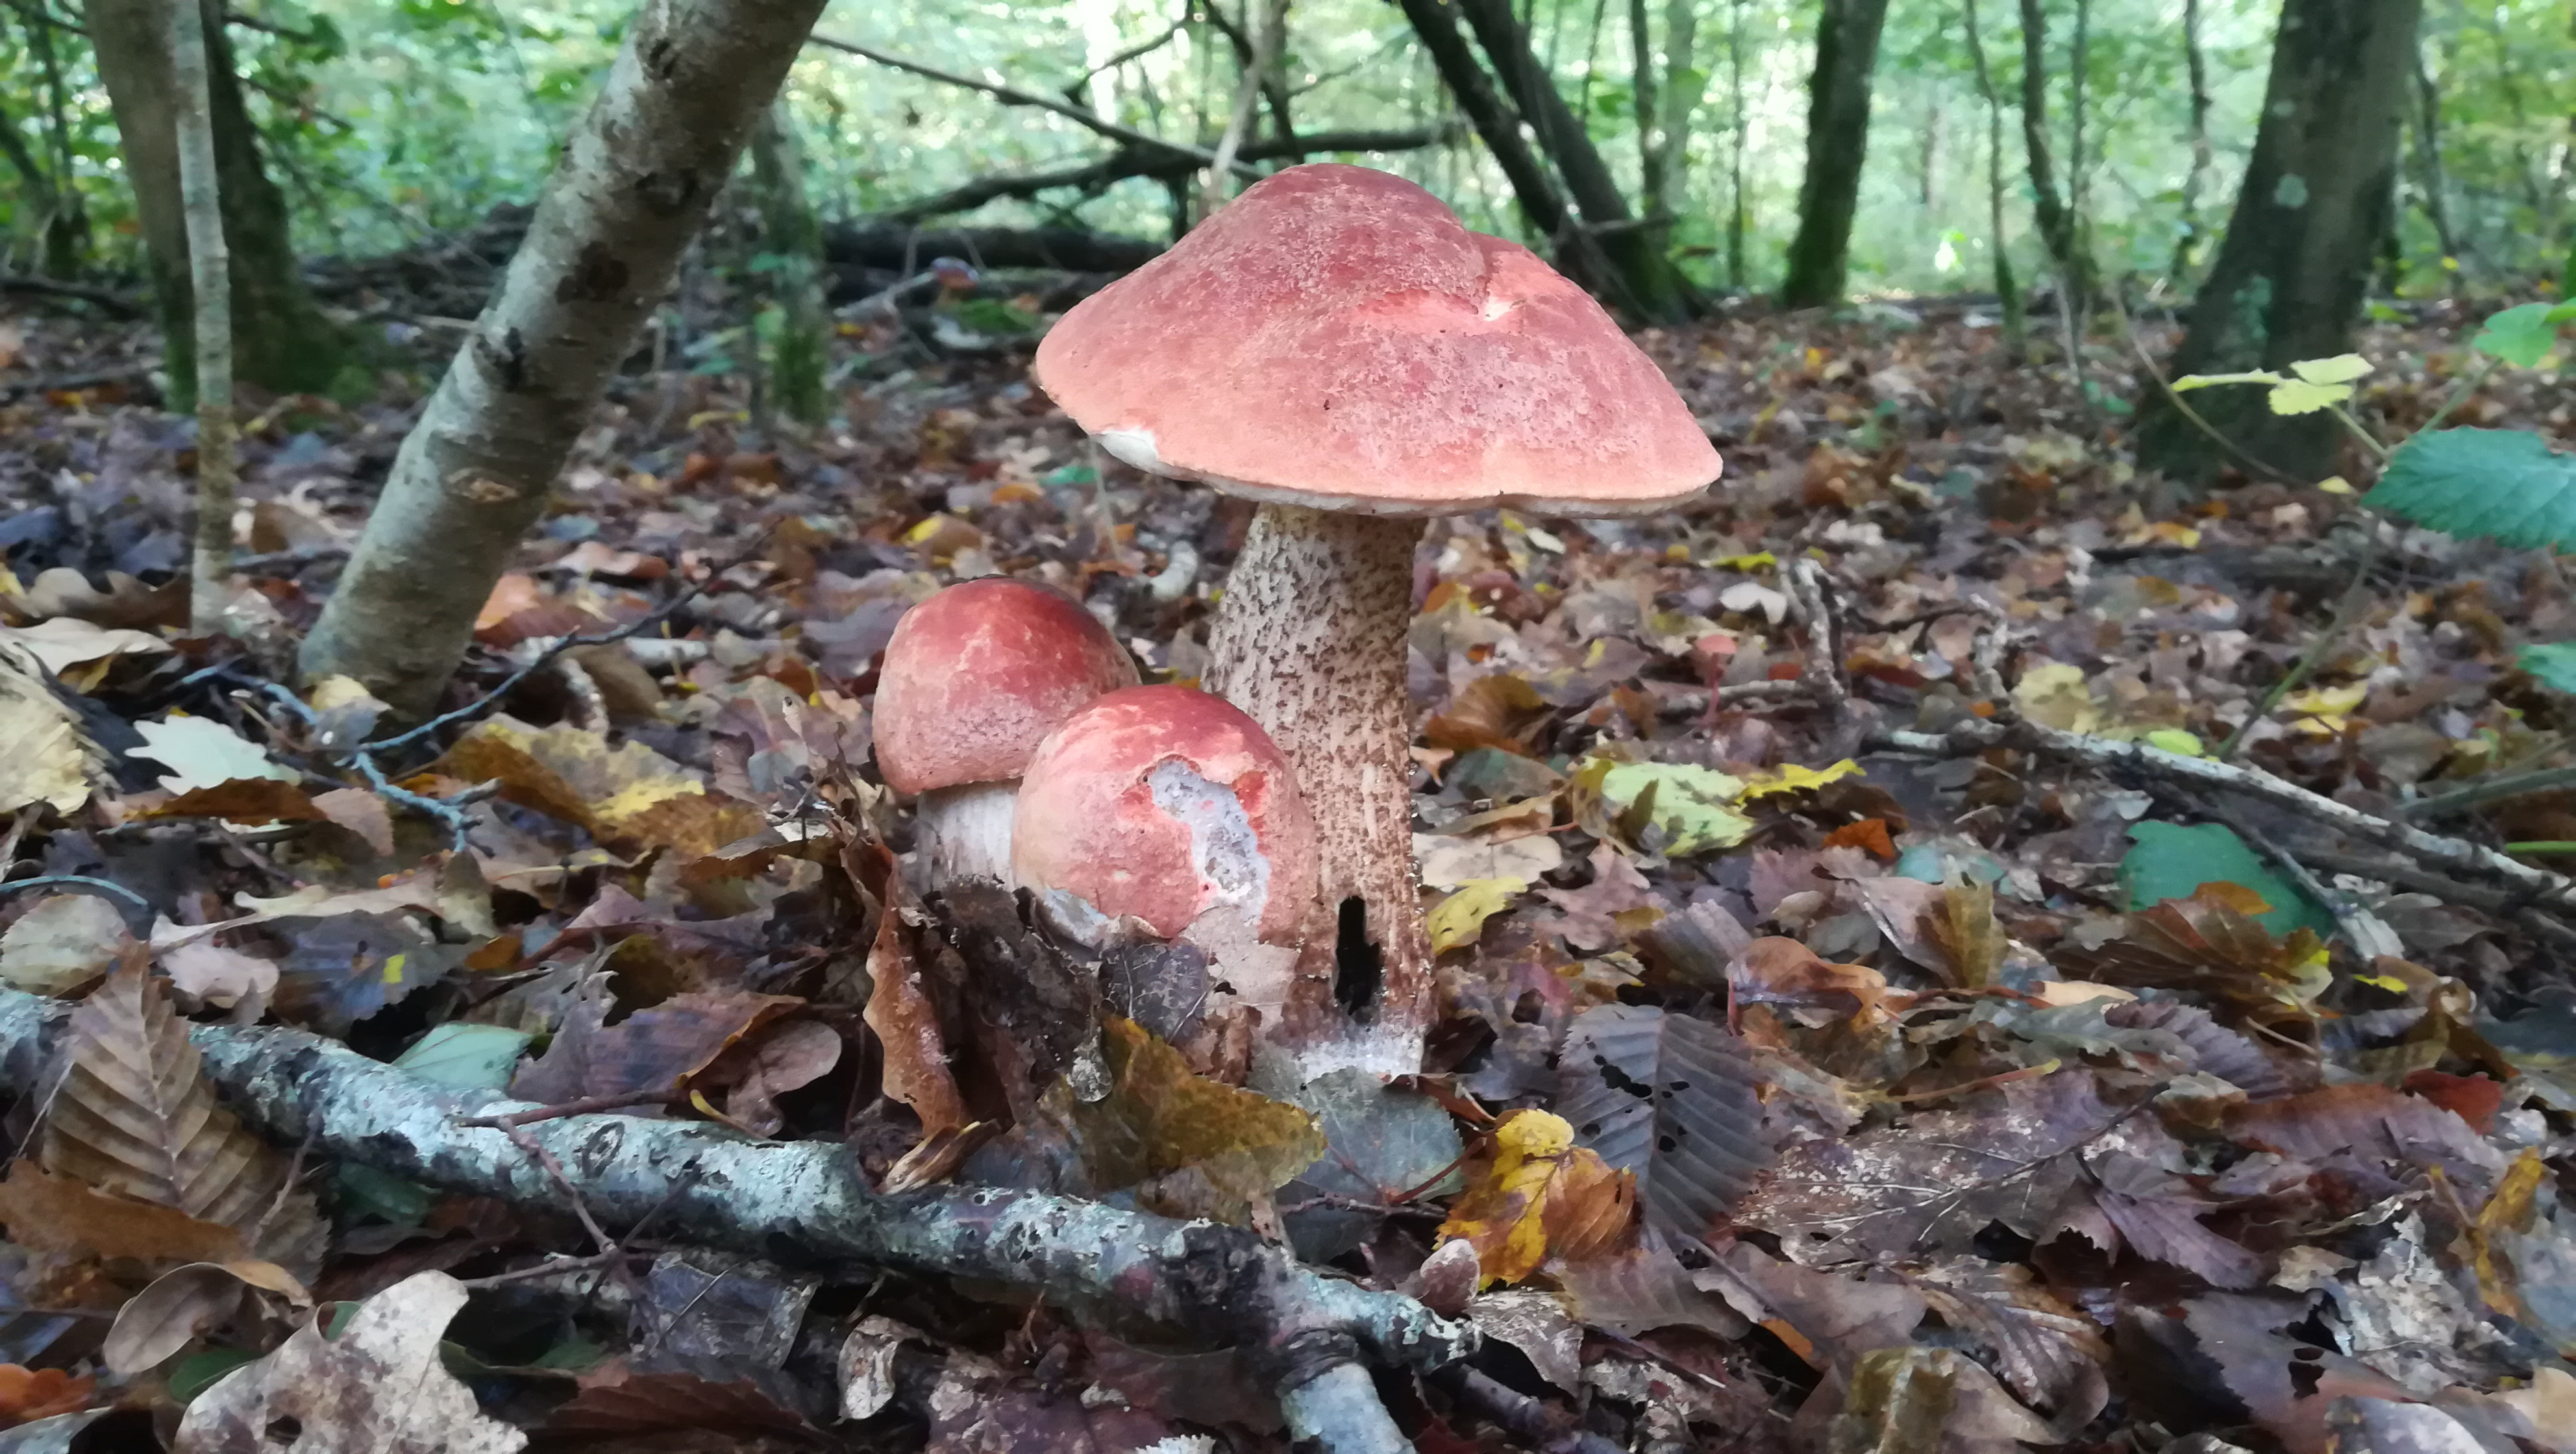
1497	307
1134	447
1223	845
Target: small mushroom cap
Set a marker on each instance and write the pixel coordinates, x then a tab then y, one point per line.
1162	803
1336	338
978	674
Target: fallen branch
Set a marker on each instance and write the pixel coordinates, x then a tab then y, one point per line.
1129	162
2532	887
806	1201
107	298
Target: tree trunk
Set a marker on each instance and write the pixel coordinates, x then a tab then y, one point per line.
2428	153
1683	87
1736	125
283	343
632	188
1838	99
1435	24
2196	63
2007	288
209	266
1647	284
793	242
1650	117
2079	171
2057	229
2289	279
67	221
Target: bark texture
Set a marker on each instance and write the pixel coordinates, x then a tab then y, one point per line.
634	186
1310	642
201	199
283	343
803	1201
2316	201
2058	226
1838	99
1435	24
2007	288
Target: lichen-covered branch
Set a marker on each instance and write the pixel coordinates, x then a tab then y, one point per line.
805	1201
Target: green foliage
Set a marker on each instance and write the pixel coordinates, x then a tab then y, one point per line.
2312	384
2523	336
2504	484
2172	861
2552	665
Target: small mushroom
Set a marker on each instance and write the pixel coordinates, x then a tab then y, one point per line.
974	678
1169	808
1338	346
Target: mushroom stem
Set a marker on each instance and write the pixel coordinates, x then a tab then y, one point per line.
965	832
1310	642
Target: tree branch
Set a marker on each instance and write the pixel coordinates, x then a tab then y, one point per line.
1128	162
806	1200
114	302
1014	96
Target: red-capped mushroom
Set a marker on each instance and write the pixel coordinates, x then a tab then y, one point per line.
1338	346
974	678
1170	807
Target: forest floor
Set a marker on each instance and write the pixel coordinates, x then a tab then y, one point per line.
2101	1106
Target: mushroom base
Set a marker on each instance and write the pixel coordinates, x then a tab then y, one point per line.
1310	642
965	832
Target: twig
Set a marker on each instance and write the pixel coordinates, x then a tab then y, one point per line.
1822	674
114	302
1135	162
2181	405
1969	738
1014	96
1550	1430
558	1267
138	910
2495	789
586	1106
2460	395
2365	931
2355	597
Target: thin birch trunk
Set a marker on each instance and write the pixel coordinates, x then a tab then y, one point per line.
210	280
2007	288
633	187
2196	62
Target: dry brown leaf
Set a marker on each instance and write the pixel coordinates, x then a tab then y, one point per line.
29	1394
1161	1121
64	942
1501	711
188	1301
44	756
361	812
210	974
1785	972
899	1009
48	1213
758	1071
378	1387
661	1048
135	1116
626	794
242	800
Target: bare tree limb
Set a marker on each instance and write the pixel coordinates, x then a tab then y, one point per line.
1014	96
1136	162
107	298
806	1200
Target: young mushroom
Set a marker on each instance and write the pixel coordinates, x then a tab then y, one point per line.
1337	346
974	678
1169	808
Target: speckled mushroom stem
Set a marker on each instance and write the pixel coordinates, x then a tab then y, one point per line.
1309	641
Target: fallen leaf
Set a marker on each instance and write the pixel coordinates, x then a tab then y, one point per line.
784	1058
1458	920
48	1213
204	753
899	1010
62	943
210	974
1159	1120
66	642
44	755
185	1302
378	1385
27	1395
1539	1195
2053	694
1690	808
1792	778
657	1049
626	794
1670	1100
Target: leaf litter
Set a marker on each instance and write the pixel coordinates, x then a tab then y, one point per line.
1791	1091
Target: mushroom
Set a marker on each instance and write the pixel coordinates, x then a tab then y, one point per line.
1337	346
1169	808
974	678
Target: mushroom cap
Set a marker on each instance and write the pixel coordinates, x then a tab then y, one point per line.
1161	803
1336	338
978	674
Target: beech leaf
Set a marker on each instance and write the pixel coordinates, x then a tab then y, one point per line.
1671	1100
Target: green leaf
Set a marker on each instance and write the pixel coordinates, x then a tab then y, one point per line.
2189	382
1693	805
198	1371
2341	369
1457	920
470	1057
2172	861
2553	665
2520	336
2302	396
2506	484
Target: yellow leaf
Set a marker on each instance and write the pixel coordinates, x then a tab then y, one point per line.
1456	920
1540	1194
1792	778
1758	560
2053	694
2341	369
2299	396
2336	486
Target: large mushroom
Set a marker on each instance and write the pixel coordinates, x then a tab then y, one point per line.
1336	345
1169	808
974	678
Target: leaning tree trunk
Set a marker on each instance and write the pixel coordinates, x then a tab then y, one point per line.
2058	230
633	187
2196	65
1838	100
1649	286
793	242
281	340
1435	24
2289	280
